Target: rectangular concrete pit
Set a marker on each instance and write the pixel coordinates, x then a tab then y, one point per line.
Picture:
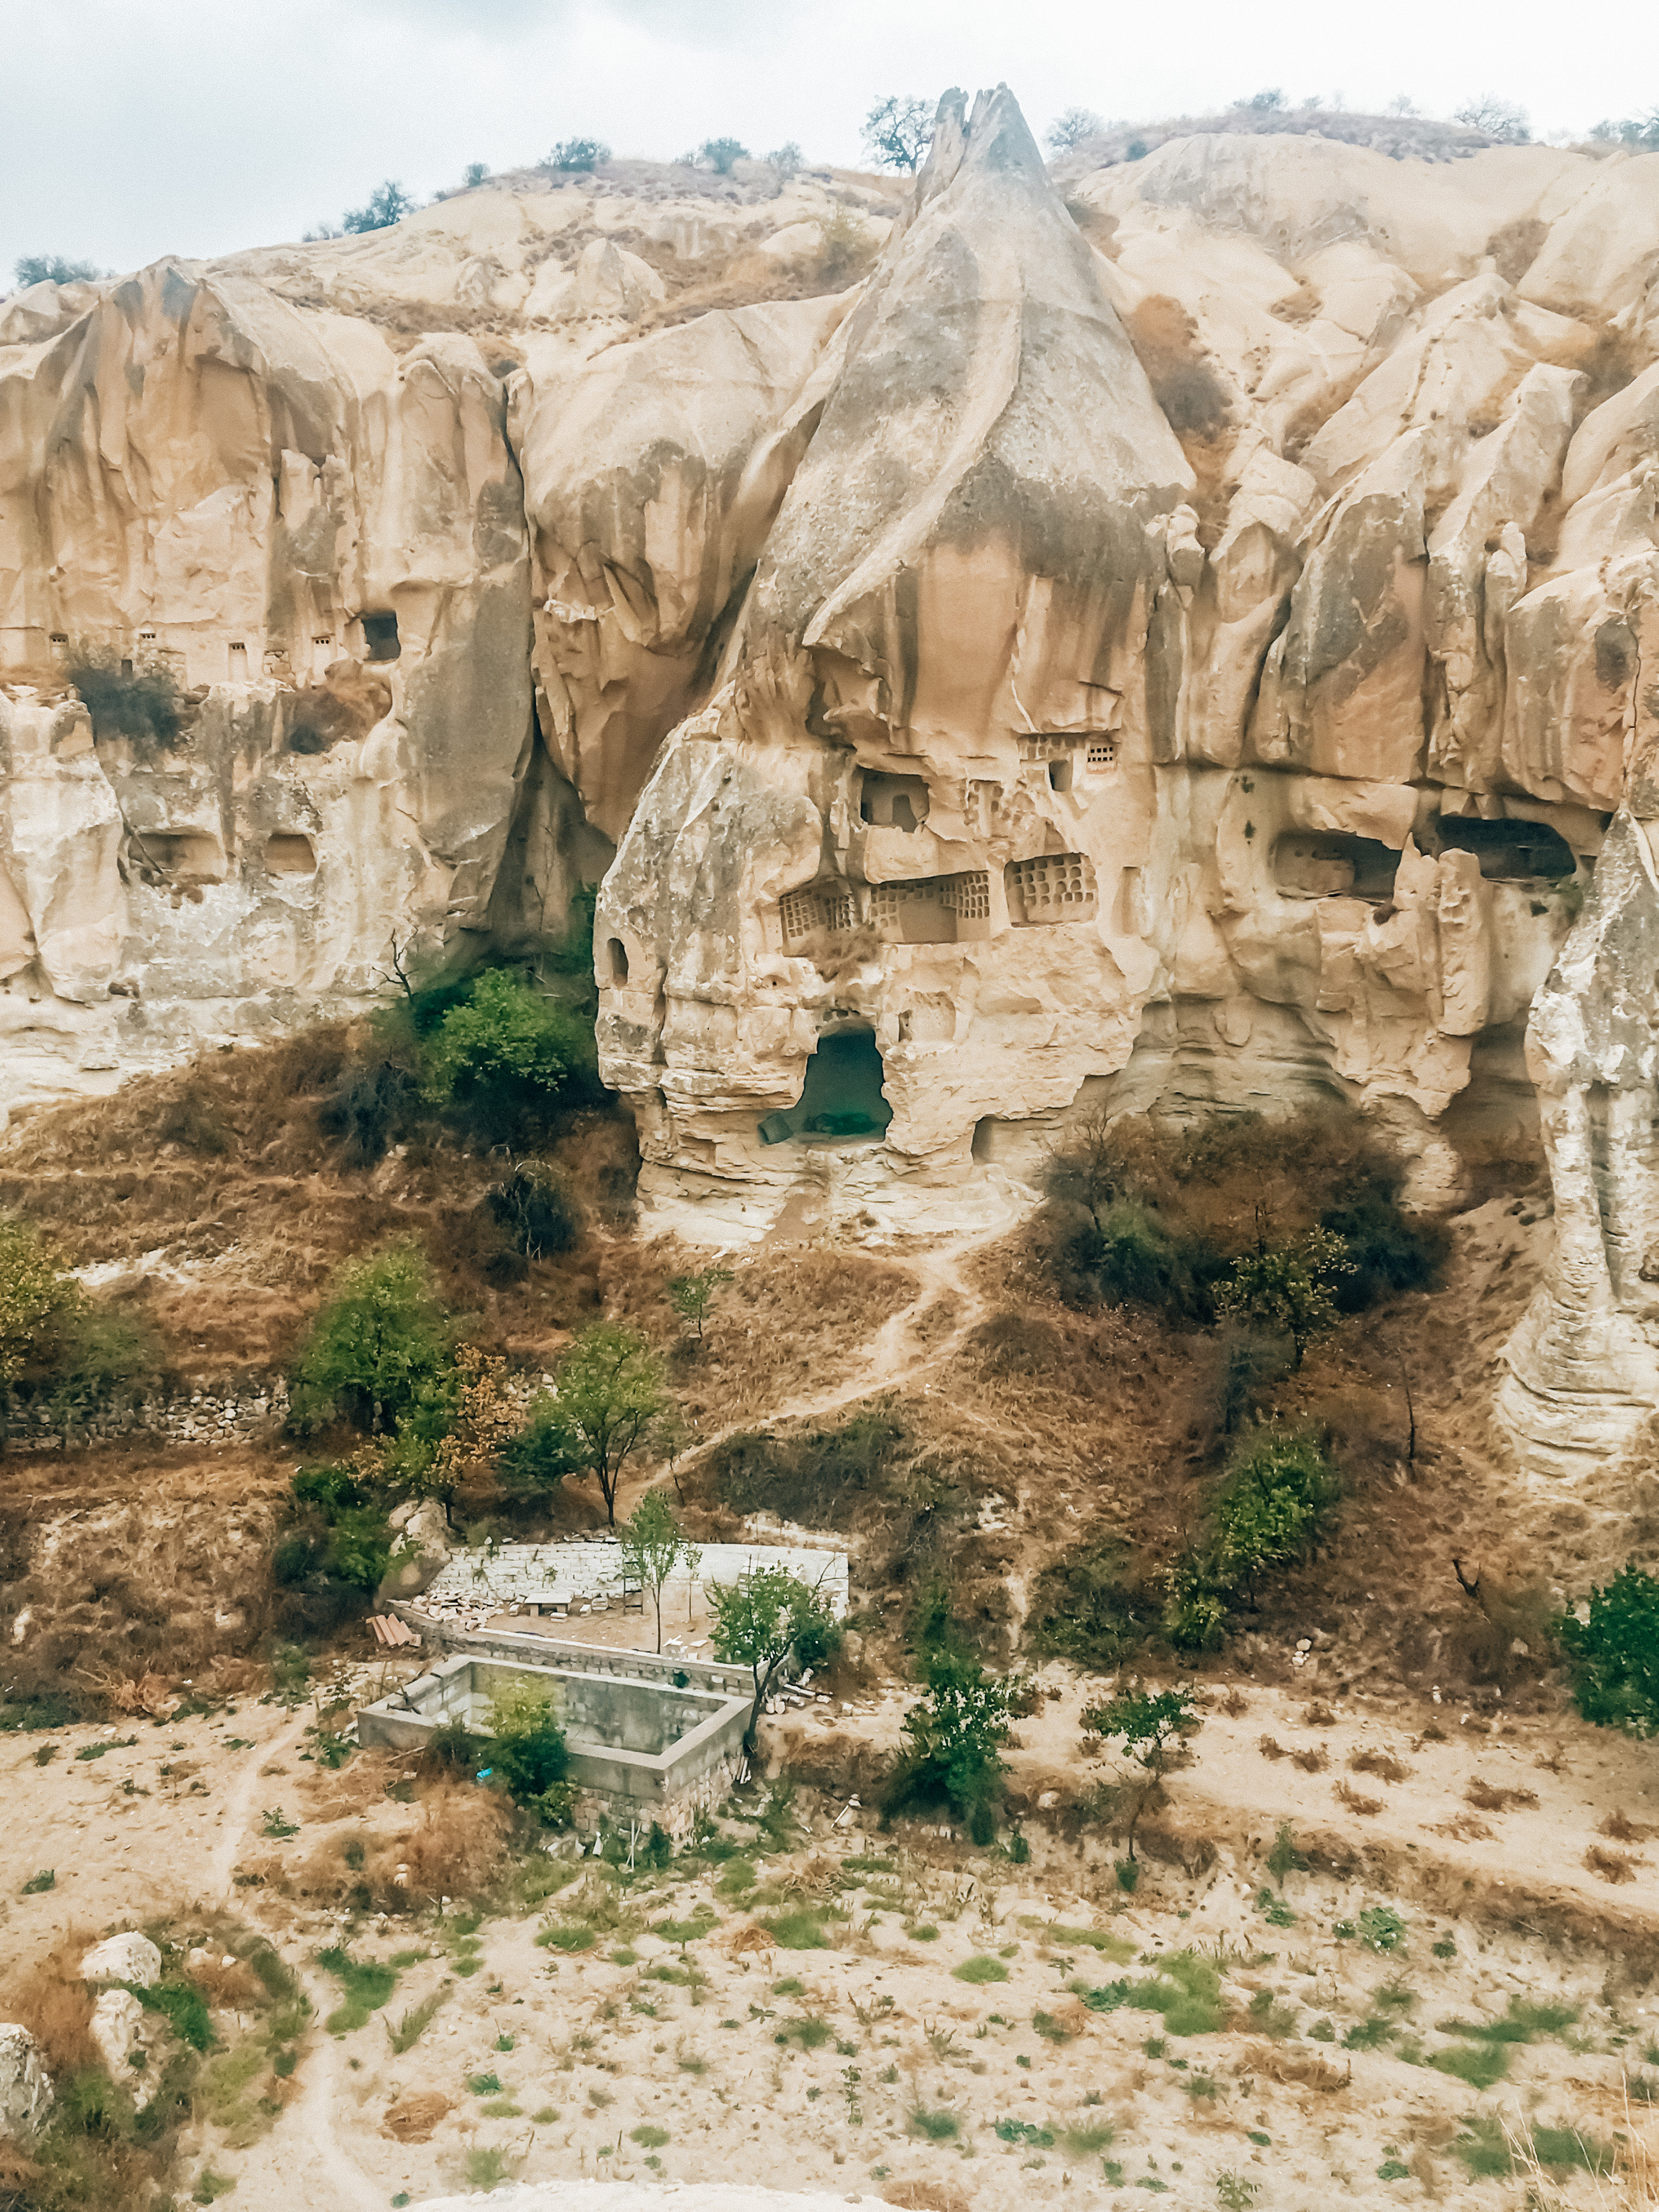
639	1738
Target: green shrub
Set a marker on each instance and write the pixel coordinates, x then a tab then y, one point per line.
1270	1508
576	155
1288	1289
609	1393
527	1749
936	2127
1026	2133
1478	2067
387	203
506	1055
39	1297
536	1211
380	1339
1613	1654
1186	1990
952	1737
800	1931
1388	1251
141	703
722	155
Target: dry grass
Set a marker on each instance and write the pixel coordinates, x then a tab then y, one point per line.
457	1851
1384	1765
1611	1865
1280	2062
1311	1762
1490	1798
1623	1830
412	2119
1270	1746
51	2001
1357	1803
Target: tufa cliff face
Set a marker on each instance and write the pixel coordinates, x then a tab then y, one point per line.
1167	634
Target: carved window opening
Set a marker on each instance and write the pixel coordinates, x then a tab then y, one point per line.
1324	864
289	853
146	637
381	637
828	906
1101	754
1508	852
176	856
59	637
238	662
1057	887
617	952
933	909
893	802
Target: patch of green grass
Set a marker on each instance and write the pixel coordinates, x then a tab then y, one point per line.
624	1955
1445	1948
923	1931
366	1988
1186	1991
275	1823
870	1866
486	2168
211	2186
1274	1910
686	1931
1090	1939
401	1960
648	2137
502	2108
1269	2017
1026	2133
1379	1928
1049	2028
811	2033
1368	2034
790	1986
1106	1998
802	1931
415	2023
546	2117
1564	2150
38	1884
980	1970
566	1939
1482	2146
738	1880
1522	2023
937	2127
183	2009
1480	2067
1089	2140
484	2085
97	1750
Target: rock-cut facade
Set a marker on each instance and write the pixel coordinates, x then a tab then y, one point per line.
1174	634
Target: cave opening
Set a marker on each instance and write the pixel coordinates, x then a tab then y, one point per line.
617	952
1508	852
381	637
1326	865
842	1097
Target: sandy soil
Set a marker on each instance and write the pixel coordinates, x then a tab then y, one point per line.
588	2047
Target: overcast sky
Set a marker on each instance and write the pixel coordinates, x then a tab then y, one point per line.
129	129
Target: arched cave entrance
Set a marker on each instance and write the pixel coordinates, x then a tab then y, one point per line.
842	1097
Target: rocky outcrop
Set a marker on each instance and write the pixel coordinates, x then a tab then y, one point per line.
128	1957
26	2095
1168	633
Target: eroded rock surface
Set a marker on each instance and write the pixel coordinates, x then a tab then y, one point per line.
1162	634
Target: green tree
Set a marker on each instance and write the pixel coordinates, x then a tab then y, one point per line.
953	1737
1288	1288
1150	1724
691	1296
608	1395
474	174
528	1750
759	1620
380	1339
387	203
1614	1653
1070	128
897	132
722	155
574	154
38	1297
53	269
652	1546
504	1038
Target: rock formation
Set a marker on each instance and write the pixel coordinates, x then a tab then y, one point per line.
1166	632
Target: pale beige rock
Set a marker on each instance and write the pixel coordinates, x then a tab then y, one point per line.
26	2095
128	1957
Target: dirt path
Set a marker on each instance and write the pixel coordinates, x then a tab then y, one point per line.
897	1354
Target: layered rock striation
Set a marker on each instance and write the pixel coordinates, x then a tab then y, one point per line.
1171	632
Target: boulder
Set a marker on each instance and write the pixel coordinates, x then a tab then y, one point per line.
128	1957
118	2029
25	2090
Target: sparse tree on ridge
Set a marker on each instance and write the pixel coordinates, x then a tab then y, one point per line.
53	269
1498	119
387	203
1072	128
897	132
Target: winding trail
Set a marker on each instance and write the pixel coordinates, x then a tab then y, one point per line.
897	1354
